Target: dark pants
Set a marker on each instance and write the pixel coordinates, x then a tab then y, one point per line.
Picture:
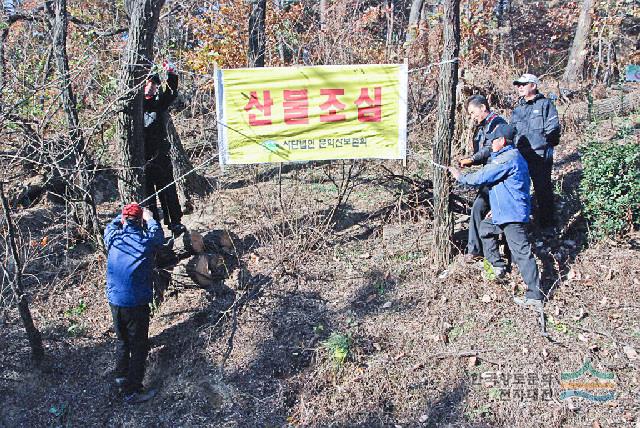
540	166
158	174
132	330
479	210
520	248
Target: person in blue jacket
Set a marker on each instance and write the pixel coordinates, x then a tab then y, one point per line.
507	178
486	121
537	126
131	249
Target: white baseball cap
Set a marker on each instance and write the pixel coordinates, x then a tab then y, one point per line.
527	78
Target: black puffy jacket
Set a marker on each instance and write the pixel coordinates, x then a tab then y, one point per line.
536	123
482	146
155	139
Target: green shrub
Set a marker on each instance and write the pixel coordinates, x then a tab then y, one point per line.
610	187
338	345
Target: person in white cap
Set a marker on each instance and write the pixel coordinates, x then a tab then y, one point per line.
537	126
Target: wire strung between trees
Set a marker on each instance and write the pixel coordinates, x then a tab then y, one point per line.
252	139
437	165
181	70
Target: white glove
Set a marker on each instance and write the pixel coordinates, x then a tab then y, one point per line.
147	214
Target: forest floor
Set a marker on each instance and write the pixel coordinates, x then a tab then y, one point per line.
423	347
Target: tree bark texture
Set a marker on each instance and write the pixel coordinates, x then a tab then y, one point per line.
191	183
430	21
80	182
33	334
136	63
504	29
414	20
577	54
323	14
618	105
443	220
257	33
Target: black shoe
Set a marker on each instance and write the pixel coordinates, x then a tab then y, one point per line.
139	396
168	243
177	229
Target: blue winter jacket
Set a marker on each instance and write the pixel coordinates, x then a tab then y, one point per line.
130	261
507	178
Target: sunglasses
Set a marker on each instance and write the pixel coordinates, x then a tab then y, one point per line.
520	84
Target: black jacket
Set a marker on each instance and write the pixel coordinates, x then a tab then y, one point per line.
482	146
155	138
536	123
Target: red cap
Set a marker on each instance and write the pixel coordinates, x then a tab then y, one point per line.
132	210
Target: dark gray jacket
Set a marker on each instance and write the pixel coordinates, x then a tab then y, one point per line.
536	123
482	146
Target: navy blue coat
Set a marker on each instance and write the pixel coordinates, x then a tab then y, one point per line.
536	123
130	260
507	178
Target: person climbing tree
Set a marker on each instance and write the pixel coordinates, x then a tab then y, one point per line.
158	168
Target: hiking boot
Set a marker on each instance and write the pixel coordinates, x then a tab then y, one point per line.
529	303
499	271
177	229
168	243
139	396
188	208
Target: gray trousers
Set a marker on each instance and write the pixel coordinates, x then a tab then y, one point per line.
479	210
520	248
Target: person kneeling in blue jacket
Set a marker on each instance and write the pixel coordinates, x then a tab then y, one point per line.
131	249
507	177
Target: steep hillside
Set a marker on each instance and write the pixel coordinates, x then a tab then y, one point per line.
342	325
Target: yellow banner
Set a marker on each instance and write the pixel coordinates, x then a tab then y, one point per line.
311	113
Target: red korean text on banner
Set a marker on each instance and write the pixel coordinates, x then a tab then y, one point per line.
372	110
332	105
264	107
296	106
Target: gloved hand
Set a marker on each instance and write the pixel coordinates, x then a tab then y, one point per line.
147	214
169	67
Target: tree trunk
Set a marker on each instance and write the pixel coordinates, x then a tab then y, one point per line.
257	34
137	60
414	20
619	105
33	335
188	181
504	29
81	182
430	21
323	15
443	220
577	54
